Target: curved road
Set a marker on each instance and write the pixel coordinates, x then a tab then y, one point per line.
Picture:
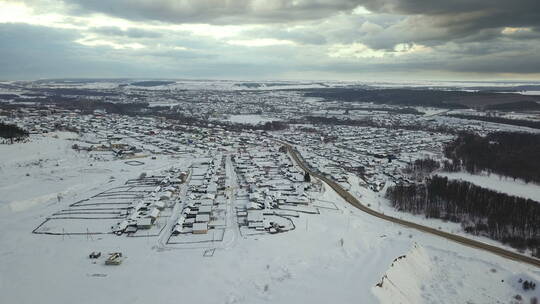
452	237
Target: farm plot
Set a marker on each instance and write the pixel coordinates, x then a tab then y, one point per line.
146	199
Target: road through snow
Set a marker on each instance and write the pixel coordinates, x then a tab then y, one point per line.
167	230
452	237
232	231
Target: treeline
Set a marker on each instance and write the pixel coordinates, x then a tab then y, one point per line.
368	122
406	110
422	167
449	99
442	98
267	126
12	132
528	105
77	92
511	154
89	106
507	121
509	219
406	97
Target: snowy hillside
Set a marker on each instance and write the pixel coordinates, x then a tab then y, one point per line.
338	255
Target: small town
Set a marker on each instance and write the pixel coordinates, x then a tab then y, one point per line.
255	152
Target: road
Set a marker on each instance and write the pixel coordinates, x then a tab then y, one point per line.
176	212
449	236
232	233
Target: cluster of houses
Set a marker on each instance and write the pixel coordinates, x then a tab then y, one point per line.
144	212
205	202
119	136
269	183
376	155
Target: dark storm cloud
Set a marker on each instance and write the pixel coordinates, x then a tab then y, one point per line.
130	33
452	36
215	11
437	22
464	17
432	22
492	58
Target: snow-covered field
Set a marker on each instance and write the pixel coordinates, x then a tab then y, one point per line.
529	92
499	183
377	202
336	257
250	119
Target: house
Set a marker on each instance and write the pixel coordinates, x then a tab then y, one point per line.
119	146
154	213
144	223
131	229
159	205
165	196
200	228
211	188
202	218
205	209
120	227
206	202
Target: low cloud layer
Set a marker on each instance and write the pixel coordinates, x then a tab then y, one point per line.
216	11
254	39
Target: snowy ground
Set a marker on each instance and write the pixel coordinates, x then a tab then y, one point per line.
250	119
377	202
338	256
499	183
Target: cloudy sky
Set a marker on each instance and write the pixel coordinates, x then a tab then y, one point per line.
271	39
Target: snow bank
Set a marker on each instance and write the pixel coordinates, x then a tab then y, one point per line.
402	282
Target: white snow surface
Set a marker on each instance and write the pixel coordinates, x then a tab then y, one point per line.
250	119
377	202
499	183
337	256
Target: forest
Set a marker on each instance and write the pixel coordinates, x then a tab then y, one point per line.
421	168
12	132
516	106
407	97
397	110
509	219
512	154
448	99
501	120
